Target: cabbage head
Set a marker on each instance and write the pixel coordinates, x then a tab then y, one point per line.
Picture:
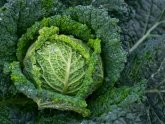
67	60
58	70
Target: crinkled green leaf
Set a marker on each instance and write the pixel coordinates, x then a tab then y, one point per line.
61	62
53	117
122	97
10	114
8	38
121	105
34	10
132	115
2	2
117	8
4	115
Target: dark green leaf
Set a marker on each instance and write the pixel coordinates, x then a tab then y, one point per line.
144	38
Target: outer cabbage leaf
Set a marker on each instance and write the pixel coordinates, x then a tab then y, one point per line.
4	112
10	114
8	23
116	8
120	97
54	117
145	41
132	115
2	2
121	105
156	86
8	28
146	21
69	3
34	10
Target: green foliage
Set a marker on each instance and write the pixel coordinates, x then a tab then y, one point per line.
31	47
136	96
145	42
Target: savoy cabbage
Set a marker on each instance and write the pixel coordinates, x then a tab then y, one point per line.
63	57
